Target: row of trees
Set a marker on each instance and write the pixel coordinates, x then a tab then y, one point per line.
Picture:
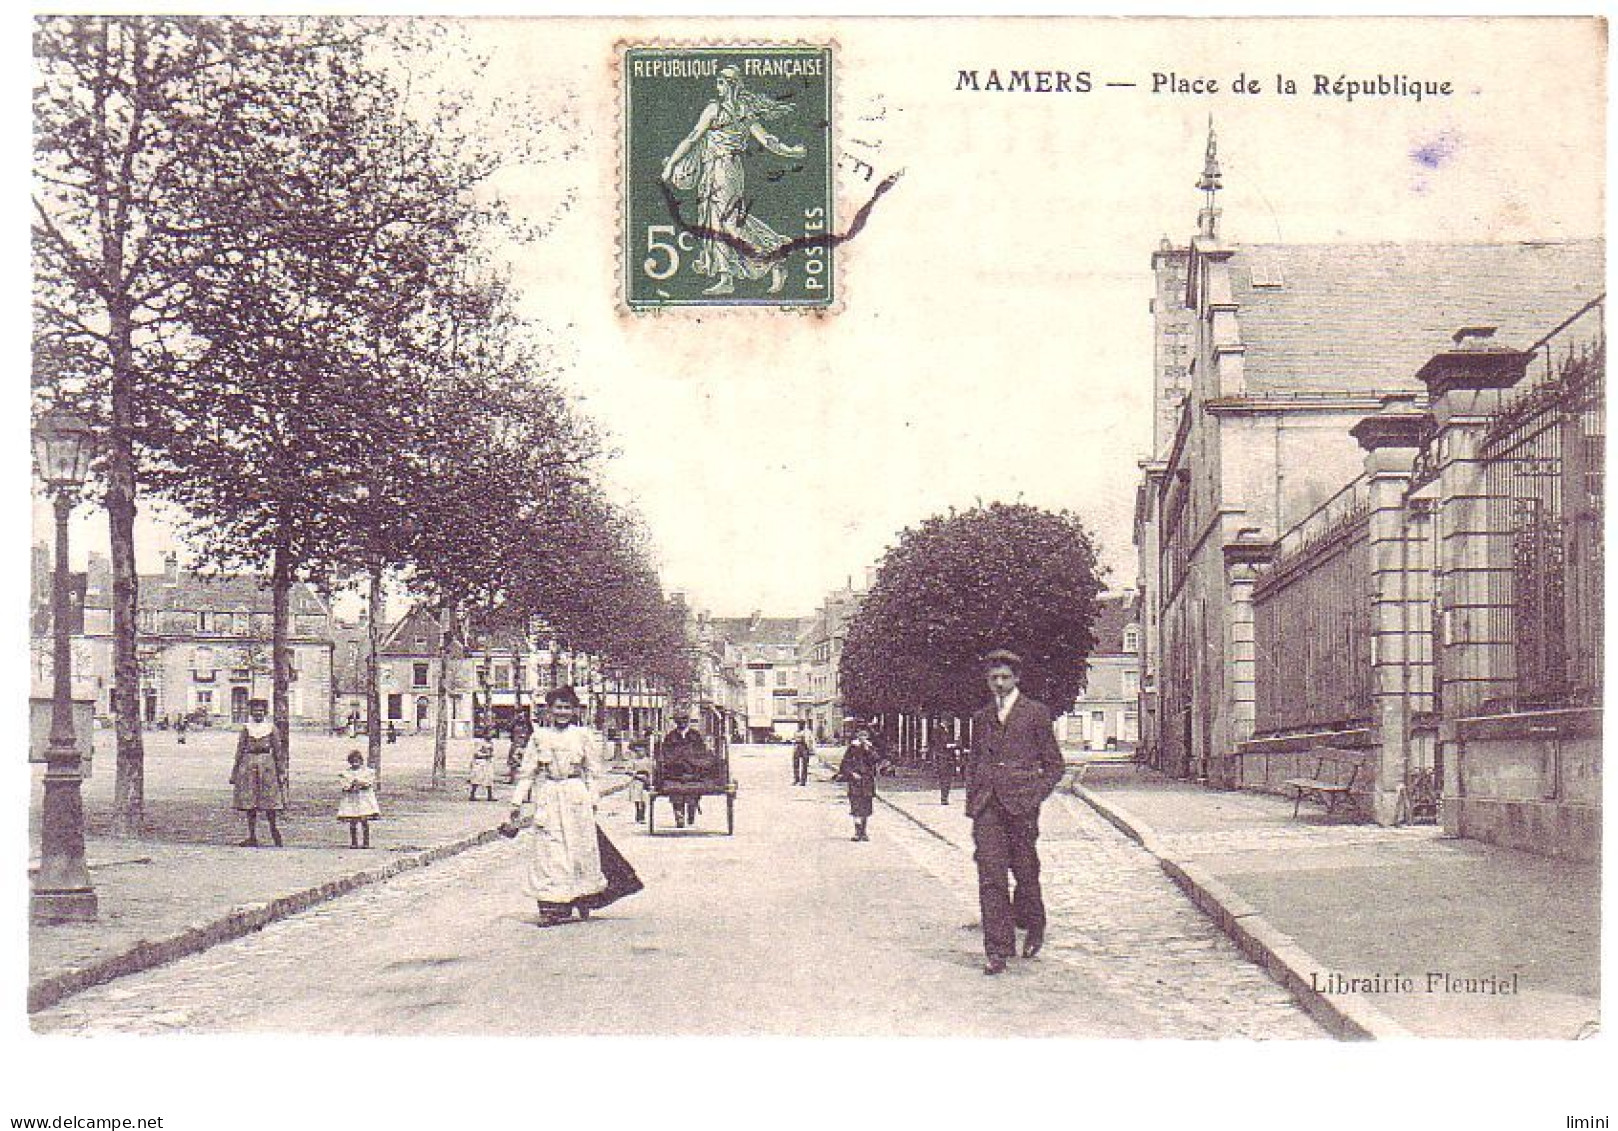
958	586
271	281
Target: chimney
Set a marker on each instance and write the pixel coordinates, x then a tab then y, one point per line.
171	569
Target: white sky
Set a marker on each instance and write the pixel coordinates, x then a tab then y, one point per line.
994	341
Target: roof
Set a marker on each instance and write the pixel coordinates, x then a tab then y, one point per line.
769	631
1355	317
414	634
192	592
1114	613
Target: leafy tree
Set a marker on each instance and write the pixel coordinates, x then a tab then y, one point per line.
304	392
961	585
130	116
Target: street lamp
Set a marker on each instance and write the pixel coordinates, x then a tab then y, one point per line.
62	891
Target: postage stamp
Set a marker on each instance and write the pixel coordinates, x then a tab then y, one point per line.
727	176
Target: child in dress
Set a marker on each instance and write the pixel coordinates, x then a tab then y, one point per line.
482	775
357	807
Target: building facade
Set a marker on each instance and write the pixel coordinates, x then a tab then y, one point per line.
203	646
764	651
1106	715
820	654
1293	347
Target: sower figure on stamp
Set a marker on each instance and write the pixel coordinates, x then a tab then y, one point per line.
1014	765
735	243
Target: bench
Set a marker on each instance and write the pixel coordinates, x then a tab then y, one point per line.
1328	784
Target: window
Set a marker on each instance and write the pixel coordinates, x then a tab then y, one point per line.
418	675
759	677
395	708
781	677
502	676
1131	682
204	620
1131	639
240	623
202	663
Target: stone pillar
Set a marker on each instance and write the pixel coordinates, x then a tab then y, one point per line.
1242	560
1474	650
1390	438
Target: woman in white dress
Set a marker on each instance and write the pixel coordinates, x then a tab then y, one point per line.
560	777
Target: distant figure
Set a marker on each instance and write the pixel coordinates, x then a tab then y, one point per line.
357	807
1014	766
859	771
522	732
256	775
181	725
686	765
946	762
481	775
354	723
803	748
393	733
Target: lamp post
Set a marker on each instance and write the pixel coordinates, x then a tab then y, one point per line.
62	891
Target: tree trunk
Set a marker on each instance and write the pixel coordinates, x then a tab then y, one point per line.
281	658
129	788
446	622
373	672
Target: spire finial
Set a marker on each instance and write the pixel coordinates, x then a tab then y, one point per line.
1211	181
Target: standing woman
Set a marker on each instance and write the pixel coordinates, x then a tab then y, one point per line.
572	866
256	774
859	771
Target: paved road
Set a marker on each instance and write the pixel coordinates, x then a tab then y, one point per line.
786	928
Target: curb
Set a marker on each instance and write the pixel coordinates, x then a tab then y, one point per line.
244	920
1347	1016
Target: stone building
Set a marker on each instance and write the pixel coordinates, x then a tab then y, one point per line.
765	651
1292	346
204	645
1106	714
820	652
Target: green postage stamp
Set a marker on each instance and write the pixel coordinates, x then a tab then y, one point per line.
727	186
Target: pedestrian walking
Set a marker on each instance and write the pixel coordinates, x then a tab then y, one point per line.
256	774
393	733
859	771
357	807
572	866
353	725
803	749
686	765
522	732
481	775
1014	765
181	725
946	761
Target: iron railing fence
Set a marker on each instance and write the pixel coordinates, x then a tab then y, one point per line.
1545	484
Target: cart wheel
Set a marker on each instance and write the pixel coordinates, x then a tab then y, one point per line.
730	814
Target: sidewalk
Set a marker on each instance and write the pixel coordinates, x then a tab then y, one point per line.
184	885
1401	905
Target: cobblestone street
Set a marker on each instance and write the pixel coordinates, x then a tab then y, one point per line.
812	935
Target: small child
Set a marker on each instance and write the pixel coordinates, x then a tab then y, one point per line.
358	806
482	775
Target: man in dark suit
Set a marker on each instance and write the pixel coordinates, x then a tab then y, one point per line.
1014	765
686	765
